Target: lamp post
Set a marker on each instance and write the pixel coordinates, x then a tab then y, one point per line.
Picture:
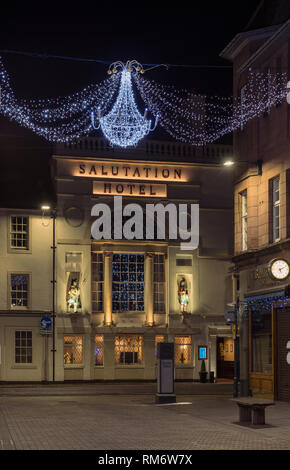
46	207
258	164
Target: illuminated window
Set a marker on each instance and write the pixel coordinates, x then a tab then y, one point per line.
128	349
128	282
274	197
159	284
183	350
19	290
19	232
97	282
23	347
244	219
158	339
99	350
73	349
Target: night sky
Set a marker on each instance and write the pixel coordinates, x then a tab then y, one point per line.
183	34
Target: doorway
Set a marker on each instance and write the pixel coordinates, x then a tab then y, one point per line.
225	358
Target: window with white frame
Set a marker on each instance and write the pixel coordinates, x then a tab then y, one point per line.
159	283
128	349
23	347
19	232
244	219
73	349
19	290
275	209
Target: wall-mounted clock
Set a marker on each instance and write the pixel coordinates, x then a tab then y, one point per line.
279	269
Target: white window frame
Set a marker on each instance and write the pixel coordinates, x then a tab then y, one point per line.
21	249
276	204
9	291
243	195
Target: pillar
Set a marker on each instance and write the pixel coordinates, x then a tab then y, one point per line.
108	288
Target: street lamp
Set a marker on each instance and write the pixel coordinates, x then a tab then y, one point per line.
47	207
258	164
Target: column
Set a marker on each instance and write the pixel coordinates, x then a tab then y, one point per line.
108	288
148	289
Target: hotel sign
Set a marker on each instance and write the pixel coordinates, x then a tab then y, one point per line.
129	189
124	170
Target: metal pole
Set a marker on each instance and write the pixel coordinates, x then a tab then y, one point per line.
53	294
236	358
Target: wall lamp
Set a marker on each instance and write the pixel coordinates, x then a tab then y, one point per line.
258	163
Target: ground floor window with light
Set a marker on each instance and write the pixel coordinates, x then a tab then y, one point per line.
183	350
99	350
73	349
128	349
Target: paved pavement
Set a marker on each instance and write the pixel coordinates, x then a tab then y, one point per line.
130	421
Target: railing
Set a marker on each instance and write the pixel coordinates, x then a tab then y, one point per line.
149	149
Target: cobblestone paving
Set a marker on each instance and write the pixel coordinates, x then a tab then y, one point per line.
135	422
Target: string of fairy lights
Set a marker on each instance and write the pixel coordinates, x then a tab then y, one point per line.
111	106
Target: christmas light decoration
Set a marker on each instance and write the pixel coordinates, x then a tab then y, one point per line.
124	126
202	119
110	105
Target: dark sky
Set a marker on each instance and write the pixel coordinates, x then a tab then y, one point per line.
192	33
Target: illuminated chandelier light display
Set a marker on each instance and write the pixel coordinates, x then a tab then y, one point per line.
124	125
111	106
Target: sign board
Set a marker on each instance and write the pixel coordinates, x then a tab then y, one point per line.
130	189
45	332
230	316
234	331
45	322
165	375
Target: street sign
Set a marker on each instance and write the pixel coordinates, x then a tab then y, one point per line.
45	332
45	322
234	330
230	316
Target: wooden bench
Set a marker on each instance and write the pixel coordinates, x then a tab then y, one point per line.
252	410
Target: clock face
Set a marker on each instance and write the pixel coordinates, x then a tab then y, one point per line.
280	269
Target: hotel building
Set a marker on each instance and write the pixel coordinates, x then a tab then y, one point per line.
115	298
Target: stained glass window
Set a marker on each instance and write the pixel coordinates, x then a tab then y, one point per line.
159	284
183	350
19	290
128	349
128	282
99	350
73	350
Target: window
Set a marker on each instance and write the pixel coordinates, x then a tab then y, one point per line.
99	350
19	232
19	290
275	209
128	349
261	327
128	282
158	339
244	220
23	347
97	282
183	350
73	350
159	284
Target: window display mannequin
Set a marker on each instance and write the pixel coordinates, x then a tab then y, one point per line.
74	296
183	295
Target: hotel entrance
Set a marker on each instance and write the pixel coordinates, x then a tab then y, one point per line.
225	358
